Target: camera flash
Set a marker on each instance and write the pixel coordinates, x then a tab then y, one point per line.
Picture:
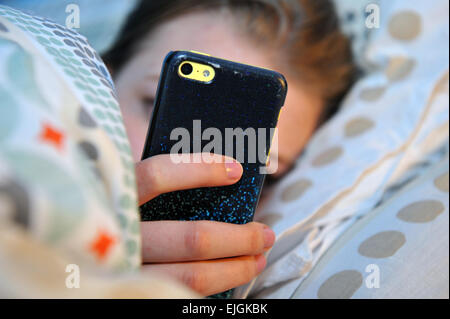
206	73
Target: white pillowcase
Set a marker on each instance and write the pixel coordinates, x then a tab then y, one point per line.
393	118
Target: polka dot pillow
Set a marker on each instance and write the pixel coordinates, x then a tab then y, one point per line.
391	126
399	250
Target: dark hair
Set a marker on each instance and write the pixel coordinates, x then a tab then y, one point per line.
306	34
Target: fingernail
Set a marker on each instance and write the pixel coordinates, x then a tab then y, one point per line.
269	237
260	263
234	170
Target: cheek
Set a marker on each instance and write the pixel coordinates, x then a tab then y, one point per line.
136	127
136	122
298	120
291	132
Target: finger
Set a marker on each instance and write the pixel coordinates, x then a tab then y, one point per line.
213	276
160	174
174	241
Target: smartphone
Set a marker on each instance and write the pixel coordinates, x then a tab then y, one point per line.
202	101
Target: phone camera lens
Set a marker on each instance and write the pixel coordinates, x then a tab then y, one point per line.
186	69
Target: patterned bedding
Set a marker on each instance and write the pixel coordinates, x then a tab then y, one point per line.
398	250
392	126
67	181
369	195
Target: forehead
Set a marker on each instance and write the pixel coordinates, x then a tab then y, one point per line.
212	32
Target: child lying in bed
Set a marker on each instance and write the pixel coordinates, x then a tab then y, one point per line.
300	39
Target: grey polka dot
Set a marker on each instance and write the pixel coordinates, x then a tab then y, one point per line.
60	27
423	211
70	36
49	25
20	201
85	119
94	71
89	149
405	25
327	157
82	40
59	34
399	68
441	182
88	52
68	42
88	63
78	46
372	94
3	27
79	53
295	190
358	126
71	31
106	83
382	245
341	285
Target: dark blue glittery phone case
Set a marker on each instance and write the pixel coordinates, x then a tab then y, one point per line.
240	96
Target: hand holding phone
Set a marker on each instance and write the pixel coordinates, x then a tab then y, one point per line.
205	104
208	256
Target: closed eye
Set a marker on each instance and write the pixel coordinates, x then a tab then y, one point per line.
147	103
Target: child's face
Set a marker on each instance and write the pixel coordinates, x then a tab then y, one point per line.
213	33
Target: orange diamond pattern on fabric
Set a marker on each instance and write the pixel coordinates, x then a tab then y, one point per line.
102	244
51	135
